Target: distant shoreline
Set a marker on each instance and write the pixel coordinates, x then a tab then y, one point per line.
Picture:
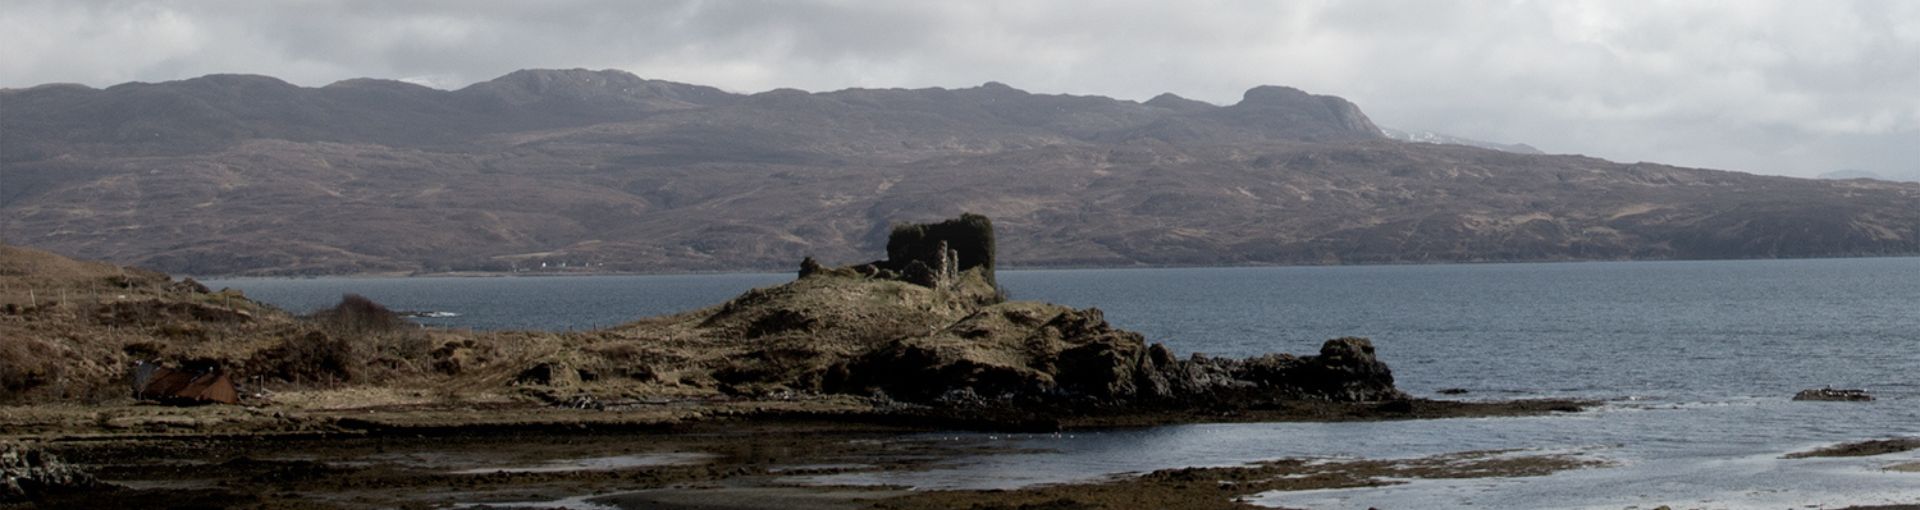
1008	267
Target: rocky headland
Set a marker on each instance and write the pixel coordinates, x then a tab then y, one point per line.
924	335
921	340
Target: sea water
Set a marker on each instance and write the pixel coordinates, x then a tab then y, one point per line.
1696	361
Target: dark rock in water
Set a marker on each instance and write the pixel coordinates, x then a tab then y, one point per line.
1396	406
1345	370
1007	354
1833	395
1861	448
27	474
1453	391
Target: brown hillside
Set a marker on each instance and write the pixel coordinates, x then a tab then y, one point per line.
606	171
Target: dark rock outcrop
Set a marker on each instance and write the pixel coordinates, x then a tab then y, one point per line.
27	474
1288	108
926	327
1026	353
1015	353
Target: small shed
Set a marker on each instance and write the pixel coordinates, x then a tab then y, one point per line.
182	387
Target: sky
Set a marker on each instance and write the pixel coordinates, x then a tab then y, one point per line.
1788	87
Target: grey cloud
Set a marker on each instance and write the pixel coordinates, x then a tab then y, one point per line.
1771	86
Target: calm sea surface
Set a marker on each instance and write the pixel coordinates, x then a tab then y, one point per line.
1696	359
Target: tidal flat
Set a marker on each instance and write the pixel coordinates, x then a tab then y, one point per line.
761	463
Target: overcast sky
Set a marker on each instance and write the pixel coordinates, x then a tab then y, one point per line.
1786	87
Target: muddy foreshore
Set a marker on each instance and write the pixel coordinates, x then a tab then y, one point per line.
711	455
737	453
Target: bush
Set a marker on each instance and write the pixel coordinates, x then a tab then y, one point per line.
22	370
315	357
356	314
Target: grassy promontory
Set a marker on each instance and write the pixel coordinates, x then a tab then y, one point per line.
923	337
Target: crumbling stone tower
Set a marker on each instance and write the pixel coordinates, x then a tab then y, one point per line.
944	249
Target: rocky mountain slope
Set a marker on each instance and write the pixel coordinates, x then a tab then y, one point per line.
1862	174
1446	139
605	171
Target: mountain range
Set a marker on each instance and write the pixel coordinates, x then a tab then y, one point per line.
607	171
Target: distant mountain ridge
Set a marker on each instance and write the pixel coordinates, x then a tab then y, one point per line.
202	113
605	170
210	111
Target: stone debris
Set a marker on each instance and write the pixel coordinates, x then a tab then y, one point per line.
28	473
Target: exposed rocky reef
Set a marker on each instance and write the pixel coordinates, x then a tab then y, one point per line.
1833	395
1861	448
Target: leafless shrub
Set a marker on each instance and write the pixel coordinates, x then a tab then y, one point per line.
313	358
24	367
358	315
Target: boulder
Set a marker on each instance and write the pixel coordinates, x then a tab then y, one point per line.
1345	370
27	474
